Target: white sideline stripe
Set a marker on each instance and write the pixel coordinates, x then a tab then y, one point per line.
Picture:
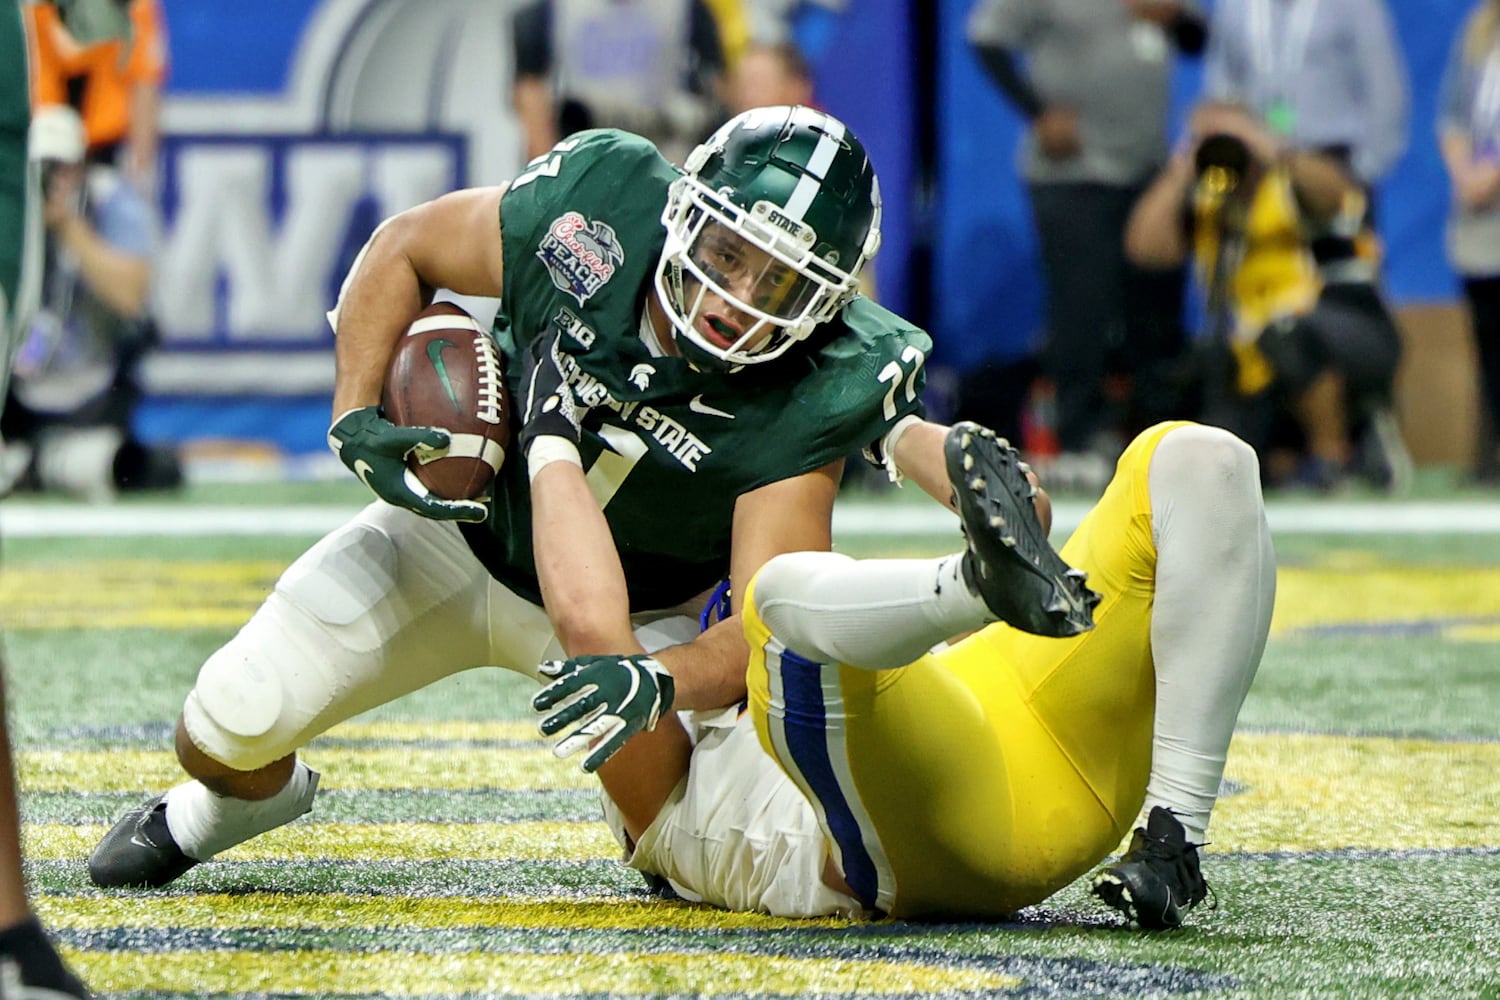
60	519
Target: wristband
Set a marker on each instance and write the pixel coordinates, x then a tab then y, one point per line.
547	449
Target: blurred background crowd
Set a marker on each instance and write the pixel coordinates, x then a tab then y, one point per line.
1279	216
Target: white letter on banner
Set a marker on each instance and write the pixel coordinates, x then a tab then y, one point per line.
278	275
276	283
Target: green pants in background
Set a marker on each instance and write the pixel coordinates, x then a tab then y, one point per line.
18	241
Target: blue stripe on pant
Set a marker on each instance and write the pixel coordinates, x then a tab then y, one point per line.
806	730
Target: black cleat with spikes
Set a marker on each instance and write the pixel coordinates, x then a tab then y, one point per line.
1009	561
139	851
1158	879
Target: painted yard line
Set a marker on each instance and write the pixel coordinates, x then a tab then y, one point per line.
433	842
335	910
377	769
855	517
399	974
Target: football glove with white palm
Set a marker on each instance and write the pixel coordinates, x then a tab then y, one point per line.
601	701
376	450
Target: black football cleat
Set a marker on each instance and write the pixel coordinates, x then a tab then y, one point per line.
1158	880
1009	562
138	851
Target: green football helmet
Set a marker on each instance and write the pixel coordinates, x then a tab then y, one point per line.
776	214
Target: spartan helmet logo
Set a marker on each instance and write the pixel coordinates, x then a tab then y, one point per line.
640	376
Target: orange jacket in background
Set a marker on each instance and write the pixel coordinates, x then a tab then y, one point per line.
112	69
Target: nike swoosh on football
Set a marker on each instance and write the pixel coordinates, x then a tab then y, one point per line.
435	351
697	405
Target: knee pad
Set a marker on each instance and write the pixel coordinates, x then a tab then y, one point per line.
239	694
772	579
1209	454
235	712
782	585
1206	468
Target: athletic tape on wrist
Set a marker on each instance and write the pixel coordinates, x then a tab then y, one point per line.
888	446
548	449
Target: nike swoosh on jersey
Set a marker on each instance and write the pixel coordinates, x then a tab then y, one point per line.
435	349
697	405
363	469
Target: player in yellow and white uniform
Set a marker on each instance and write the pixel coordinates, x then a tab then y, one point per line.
984	776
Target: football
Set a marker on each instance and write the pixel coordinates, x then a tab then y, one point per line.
445	372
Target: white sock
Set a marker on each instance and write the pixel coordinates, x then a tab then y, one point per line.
1215	585
876	614
203	824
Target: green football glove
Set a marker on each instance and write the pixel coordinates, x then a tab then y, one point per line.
604	699
376	451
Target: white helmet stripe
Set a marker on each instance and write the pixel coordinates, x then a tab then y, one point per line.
817	165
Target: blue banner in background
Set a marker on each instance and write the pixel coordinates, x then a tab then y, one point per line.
865	78
291	130
1413	203
294	126
233	48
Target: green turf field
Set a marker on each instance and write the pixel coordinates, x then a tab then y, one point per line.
1356	850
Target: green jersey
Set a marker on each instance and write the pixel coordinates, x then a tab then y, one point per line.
668	448
15	115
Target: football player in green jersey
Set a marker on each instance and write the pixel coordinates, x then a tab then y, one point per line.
29	965
707	322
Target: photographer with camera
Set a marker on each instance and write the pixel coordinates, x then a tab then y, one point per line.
1301	355
66	423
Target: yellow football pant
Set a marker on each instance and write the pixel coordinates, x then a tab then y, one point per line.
985	777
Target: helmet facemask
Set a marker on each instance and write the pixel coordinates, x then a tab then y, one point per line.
777	277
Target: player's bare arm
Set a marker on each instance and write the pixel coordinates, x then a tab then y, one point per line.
584	591
1154	235
787	516
583	588
579	572
452	242
709	672
791	515
582	582
918	454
